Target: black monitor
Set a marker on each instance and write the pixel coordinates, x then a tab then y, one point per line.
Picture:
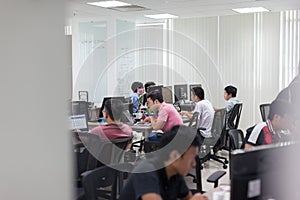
157	88
266	172
192	86
181	92
121	98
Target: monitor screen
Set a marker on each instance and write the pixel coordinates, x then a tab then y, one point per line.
122	98
78	122
266	172
192	86
181	92
157	88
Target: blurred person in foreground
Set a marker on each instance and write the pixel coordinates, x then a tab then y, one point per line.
161	177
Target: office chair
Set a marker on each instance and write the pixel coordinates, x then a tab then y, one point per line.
236	141
264	111
194	120
80	108
205	151
232	122
94	181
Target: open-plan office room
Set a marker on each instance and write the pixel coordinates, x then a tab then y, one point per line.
105	49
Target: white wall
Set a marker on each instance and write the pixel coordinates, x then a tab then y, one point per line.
35	144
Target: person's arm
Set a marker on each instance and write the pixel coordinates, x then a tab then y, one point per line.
197	196
156	124
188	114
248	146
151	196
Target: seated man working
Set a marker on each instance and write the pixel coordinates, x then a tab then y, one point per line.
205	110
269	132
167	115
114	129
161	177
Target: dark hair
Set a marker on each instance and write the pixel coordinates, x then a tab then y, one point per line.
155	95
182	137
150	83
199	92
280	108
231	90
114	108
135	85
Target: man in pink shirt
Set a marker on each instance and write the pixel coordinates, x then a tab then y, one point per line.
167	116
114	129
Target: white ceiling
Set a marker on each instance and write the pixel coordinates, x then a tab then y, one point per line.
181	8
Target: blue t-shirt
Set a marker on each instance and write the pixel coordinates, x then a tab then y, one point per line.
135	101
153	181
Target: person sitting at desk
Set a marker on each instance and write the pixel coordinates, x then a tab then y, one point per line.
205	110
114	129
146	87
167	114
161	177
269	132
138	90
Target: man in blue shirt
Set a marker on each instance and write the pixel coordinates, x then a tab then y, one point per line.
138	90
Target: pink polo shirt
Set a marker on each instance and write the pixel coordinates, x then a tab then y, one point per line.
168	114
112	131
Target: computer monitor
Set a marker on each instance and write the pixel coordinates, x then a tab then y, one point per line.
192	86
78	122
266	172
121	98
181	92
157	88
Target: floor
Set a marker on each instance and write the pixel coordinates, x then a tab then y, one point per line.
210	167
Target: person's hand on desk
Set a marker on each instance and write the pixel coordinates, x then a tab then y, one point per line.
147	119
199	196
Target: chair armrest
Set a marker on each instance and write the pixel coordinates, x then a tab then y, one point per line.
214	178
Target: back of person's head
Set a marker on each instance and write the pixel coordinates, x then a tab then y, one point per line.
231	90
155	95
135	85
114	108
178	138
280	108
199	92
148	84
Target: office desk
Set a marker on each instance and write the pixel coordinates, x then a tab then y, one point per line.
144	128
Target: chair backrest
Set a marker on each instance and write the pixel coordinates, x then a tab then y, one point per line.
94	181
217	129
194	120
80	108
236	139
233	118
264	111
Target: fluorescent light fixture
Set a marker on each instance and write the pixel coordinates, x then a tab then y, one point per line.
250	10
150	24
161	16
108	4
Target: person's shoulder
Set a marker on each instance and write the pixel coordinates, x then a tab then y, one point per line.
147	165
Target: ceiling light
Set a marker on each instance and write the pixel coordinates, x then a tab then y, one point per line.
108	4
150	24
161	16
250	10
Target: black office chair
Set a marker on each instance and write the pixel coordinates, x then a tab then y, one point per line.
80	108
95	181
236	141
205	153
264	111
194	120
232	122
